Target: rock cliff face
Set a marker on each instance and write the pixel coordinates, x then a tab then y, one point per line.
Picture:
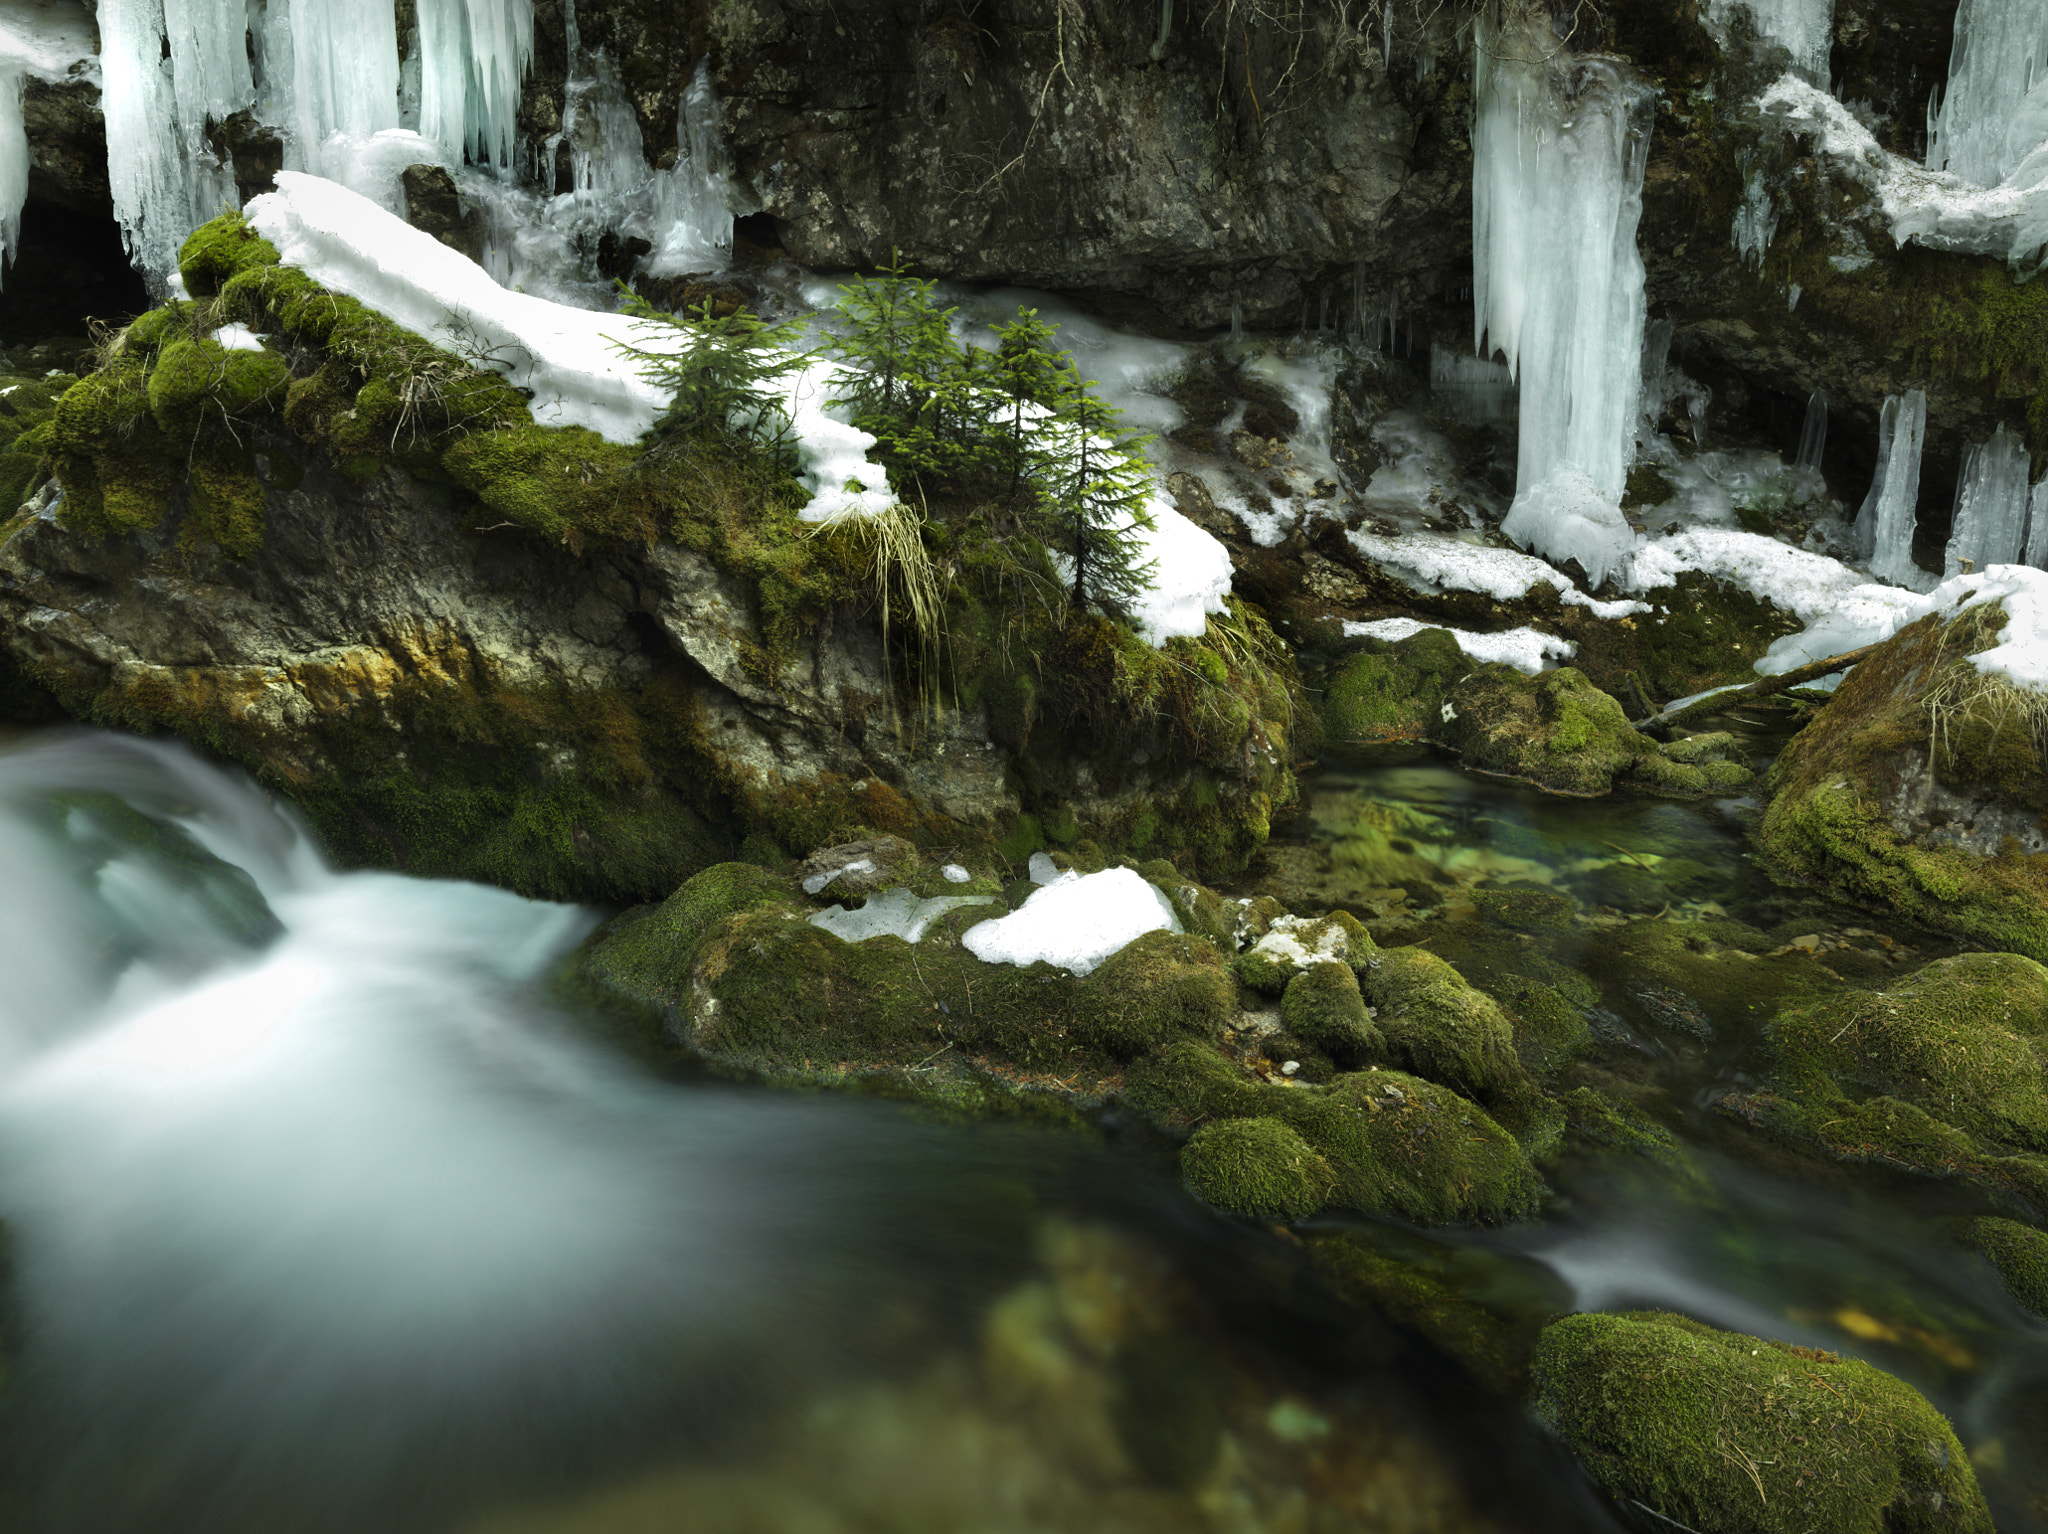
1247	161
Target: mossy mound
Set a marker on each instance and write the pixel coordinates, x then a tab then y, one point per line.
1324	1006
1919	789
1729	1434
2019	1253
1437	1025
1283	946
1555	730
1397	1145
1965	1040
1256	1167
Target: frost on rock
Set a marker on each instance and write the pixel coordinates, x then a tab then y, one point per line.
1432	562
1990	522
1525	649
895	912
1075	922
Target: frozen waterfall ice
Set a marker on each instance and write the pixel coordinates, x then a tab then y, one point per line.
473	56
169	65
692	201
1803	28
1991	505
1559	147
1995	112
1884	527
1813	434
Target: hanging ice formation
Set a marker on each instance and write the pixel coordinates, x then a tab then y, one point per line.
2037	526
473	55
169	65
1884	527
1477	389
693	199
1559	146
1756	221
1803	28
1813	435
1991	505
48	45
1995	113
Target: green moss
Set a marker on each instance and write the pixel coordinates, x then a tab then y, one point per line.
1323	1006
1718	1431
217	251
1602	1126
561	482
1397	1145
1965	1040
1437	1025
1389	692
1550	1032
1256	1167
197	383
2019	1253
648	958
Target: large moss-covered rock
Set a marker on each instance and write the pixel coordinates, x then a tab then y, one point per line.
1728	1434
1920	788
2019	1253
1395	1144
1555	730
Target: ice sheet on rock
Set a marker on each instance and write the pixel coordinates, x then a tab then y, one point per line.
2037	525
895	912
1042	869
1075	922
48	39
693	199
1434	562
817	882
1937	209
953	873
1990	521
1566	516
1559	146
1525	649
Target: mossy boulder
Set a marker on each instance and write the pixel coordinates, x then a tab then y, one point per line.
2019	1253
1920	788
1965	1040
1282	946
1256	1167
1396	1144
1555	730
1324	1006
1728	1434
1436	1024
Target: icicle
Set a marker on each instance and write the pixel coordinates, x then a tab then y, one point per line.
1884	527
1756	221
1478	389
1993	115
693	201
1559	147
1803	28
474	54
164	178
1813	436
1165	30
2037	526
13	163
1991	505
1697	401
1656	350
410	83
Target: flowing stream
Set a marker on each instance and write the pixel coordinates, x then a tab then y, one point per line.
325	1212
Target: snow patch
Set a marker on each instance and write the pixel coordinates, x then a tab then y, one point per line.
1075	922
1525	649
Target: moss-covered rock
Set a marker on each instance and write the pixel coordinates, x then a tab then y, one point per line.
1437	1025
1389	692
1919	788
1730	1434
1324	1006
2019	1253
1397	1144
1283	946
1256	1167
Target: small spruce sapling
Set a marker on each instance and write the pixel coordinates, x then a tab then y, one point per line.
907	382
1030	374
724	376
1093	486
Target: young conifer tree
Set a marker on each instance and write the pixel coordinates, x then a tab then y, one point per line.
1093	485
905	382
1030	376
722	373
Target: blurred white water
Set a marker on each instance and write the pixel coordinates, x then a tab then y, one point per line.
309	1200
